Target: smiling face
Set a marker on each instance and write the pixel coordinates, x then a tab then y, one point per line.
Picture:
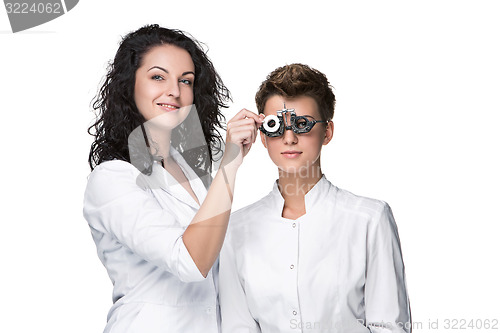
297	153
164	84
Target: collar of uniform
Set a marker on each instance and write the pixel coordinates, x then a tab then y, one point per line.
312	197
169	184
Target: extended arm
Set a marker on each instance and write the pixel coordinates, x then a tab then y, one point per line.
205	234
117	207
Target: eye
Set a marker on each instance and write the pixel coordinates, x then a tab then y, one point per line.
186	82
271	123
301	123
157	77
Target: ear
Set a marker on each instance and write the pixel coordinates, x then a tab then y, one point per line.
263	139
328	132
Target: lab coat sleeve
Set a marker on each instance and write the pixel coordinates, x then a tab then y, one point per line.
235	314
115	205
387	307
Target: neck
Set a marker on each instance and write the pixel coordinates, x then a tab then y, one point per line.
159	141
295	185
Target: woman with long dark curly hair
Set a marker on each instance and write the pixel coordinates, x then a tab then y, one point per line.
157	229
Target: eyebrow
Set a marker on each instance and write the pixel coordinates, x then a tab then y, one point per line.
163	69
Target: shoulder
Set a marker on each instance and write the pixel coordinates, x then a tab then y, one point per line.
366	207
243	215
248	216
113	168
110	179
112	173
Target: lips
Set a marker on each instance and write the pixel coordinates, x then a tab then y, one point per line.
291	153
168	107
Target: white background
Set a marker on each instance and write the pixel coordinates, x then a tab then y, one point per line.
418	90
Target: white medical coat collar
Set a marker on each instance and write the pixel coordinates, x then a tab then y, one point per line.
311	198
167	182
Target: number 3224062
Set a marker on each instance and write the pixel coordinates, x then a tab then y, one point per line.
25	8
463	324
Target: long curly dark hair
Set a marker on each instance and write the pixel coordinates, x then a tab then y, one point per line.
117	114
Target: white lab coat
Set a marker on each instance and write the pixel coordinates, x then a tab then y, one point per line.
138	232
338	268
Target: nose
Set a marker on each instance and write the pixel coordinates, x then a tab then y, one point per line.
289	137
173	89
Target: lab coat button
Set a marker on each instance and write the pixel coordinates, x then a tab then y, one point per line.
294	225
294	312
292	266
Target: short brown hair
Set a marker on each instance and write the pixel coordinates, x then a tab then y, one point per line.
298	80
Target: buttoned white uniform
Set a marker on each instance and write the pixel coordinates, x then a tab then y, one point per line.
138	232
338	268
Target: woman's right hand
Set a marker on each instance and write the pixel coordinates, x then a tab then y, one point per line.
241	134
